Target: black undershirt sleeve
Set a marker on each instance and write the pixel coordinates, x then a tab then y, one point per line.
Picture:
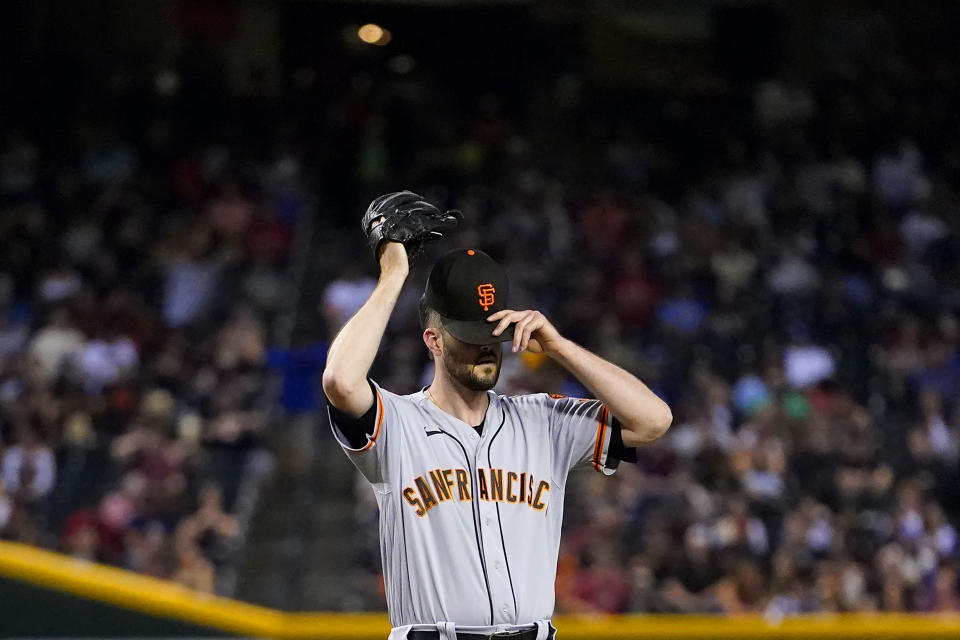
617	451
355	430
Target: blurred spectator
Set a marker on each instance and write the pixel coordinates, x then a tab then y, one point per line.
193	570
804	363
209	529
635	293
898	175
239	343
191	278
601	584
28	468
343	297
107	360
230	213
55	342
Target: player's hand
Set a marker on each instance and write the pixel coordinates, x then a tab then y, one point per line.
394	260
532	331
393	257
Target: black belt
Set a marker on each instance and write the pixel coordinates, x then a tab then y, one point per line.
526	634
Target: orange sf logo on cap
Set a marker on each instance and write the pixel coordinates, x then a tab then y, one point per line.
486	292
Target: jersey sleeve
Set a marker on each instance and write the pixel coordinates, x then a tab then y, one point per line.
368	450
584	434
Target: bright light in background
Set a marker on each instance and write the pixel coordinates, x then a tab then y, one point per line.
374	34
370	33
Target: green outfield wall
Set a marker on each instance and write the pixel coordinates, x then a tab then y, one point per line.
28	610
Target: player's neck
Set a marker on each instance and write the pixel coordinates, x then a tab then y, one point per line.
464	404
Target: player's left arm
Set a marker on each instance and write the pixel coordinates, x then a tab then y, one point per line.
643	416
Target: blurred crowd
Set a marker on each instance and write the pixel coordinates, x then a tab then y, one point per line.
776	258
137	284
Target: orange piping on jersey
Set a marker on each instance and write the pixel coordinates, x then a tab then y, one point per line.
596	444
603	435
601	429
376	432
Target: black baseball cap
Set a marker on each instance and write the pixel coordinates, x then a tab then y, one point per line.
465	286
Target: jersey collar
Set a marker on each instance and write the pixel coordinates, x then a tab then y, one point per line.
493	415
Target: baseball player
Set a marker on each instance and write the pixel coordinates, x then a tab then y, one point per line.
470	484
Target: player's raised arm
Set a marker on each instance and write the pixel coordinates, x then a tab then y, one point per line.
397	225
643	416
353	350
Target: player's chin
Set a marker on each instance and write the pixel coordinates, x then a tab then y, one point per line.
485	376
487	370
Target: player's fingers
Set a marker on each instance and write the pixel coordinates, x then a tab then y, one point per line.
503	324
498	314
519	329
535	322
505	321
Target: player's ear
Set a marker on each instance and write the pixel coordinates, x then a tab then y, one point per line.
433	338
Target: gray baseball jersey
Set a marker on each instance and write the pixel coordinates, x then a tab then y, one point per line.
470	524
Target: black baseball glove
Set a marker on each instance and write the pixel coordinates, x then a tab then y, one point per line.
409	219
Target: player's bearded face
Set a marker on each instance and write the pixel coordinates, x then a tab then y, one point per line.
476	367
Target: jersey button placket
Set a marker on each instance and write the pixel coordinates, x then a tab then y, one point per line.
493	548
